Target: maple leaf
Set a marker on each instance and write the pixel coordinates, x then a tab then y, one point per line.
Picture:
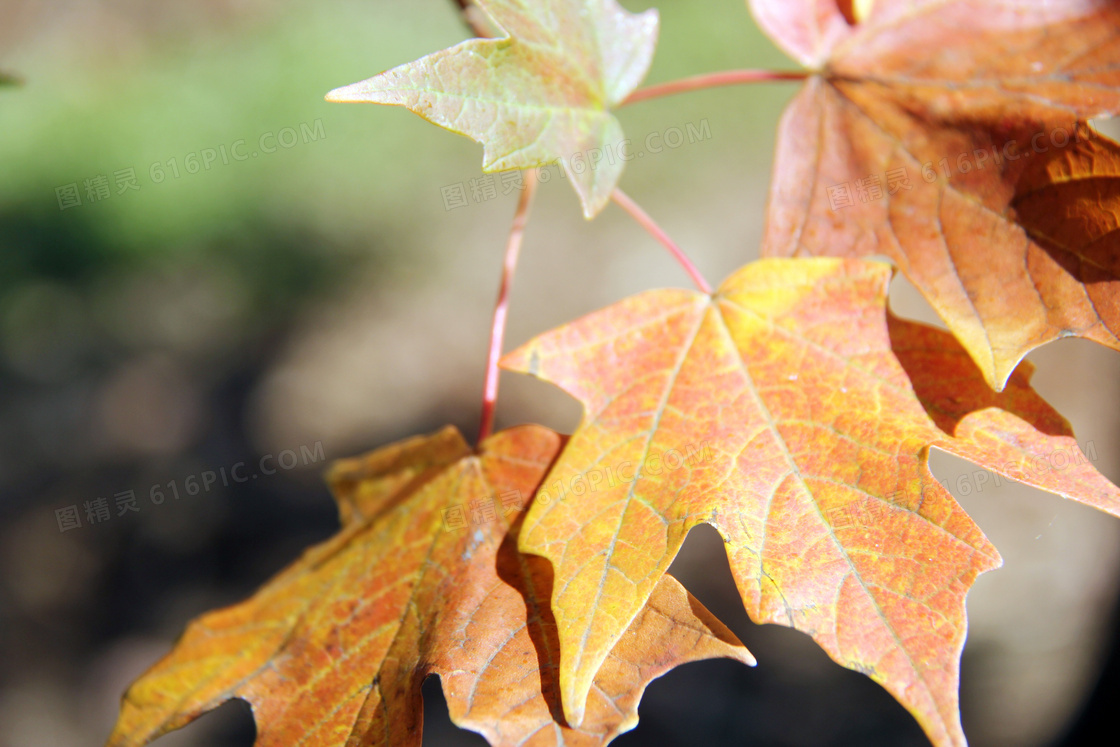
334	649
916	139
541	94
778	411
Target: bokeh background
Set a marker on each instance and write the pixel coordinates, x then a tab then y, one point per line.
319	298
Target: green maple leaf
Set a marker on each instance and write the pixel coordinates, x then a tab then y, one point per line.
539	95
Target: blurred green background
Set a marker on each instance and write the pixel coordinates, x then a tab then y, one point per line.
198	310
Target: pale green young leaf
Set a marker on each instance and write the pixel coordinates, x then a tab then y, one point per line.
541	94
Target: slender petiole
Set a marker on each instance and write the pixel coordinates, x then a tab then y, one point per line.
473	17
501	309
713	80
646	222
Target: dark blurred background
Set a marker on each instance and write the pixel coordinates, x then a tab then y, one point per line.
203	265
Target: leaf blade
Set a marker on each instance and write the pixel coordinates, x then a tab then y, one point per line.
541	94
961	128
788	375
333	650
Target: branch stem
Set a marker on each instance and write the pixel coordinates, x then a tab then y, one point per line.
642	217
501	308
712	80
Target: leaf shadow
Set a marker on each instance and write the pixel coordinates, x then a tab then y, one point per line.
949	384
1067	199
532	577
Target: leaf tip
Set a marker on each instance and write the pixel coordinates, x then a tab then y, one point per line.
573	715
592	206
521	360
1000	374
575	689
354	93
338	95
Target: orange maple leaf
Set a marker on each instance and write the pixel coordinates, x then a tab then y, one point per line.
333	650
919	137
778	411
